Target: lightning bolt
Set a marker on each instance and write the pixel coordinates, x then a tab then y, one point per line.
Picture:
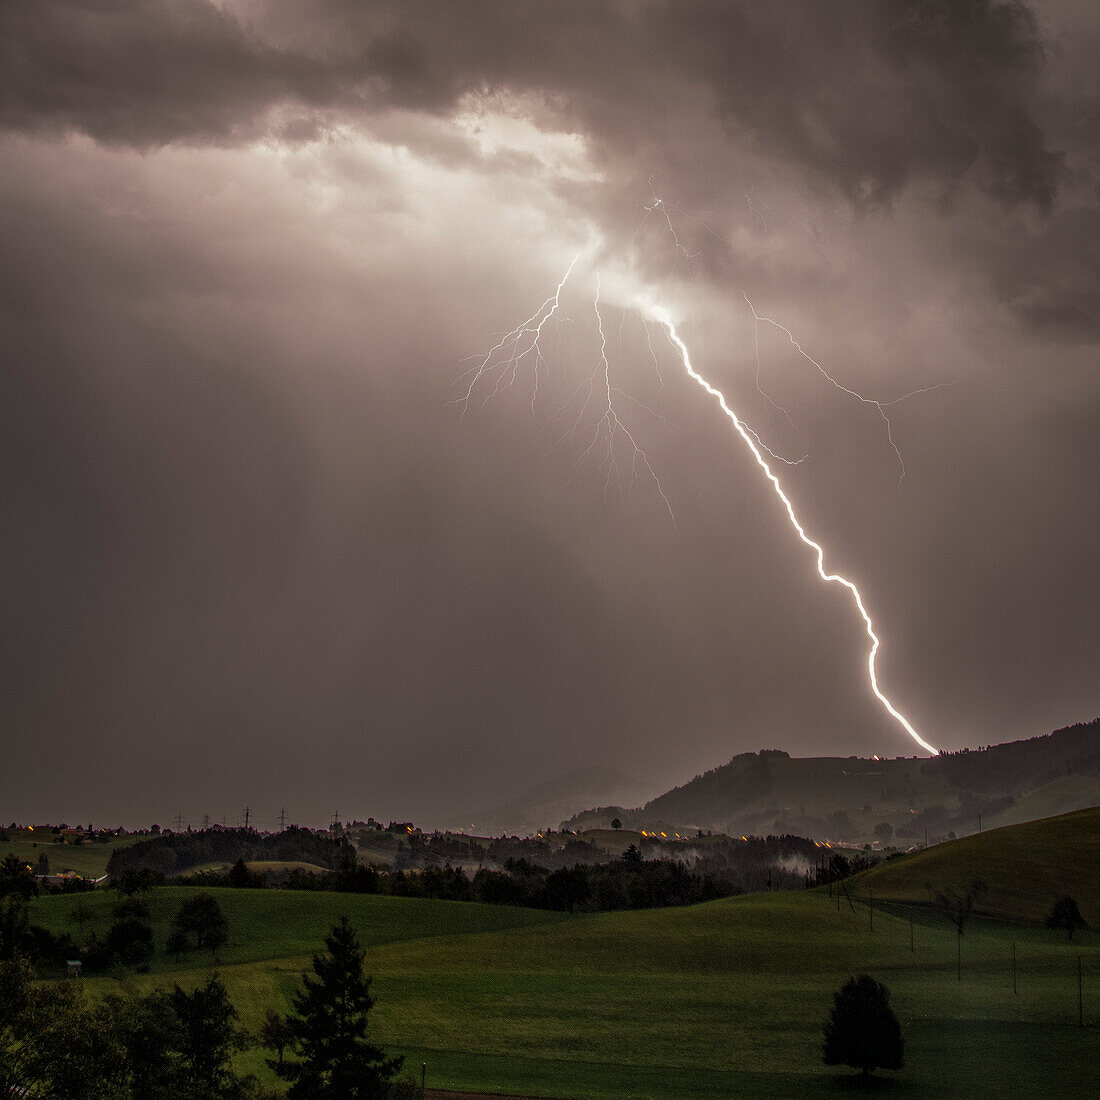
500	366
879	406
661	206
662	317
522	341
608	424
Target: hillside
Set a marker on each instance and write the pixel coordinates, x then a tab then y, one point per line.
64	849
716	1000
903	800
1025	867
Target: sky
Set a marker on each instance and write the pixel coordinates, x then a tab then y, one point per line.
267	542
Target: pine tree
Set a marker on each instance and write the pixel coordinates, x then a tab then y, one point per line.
209	1036
337	1061
862	1030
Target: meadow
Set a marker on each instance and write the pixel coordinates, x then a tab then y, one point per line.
721	999
1025	867
89	859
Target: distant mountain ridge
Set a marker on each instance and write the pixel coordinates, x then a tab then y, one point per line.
898	799
548	803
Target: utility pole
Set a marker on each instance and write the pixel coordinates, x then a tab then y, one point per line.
1080	998
979	821
335	821
179	821
205	819
282	819
247	815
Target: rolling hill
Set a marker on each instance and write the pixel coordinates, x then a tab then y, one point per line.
1025	867
714	1000
902	800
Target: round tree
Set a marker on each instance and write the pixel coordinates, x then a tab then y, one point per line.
1065	915
862	1030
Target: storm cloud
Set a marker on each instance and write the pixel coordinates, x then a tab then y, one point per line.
254	552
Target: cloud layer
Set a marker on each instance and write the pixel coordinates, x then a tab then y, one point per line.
255	554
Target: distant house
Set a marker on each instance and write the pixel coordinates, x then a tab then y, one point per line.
60	881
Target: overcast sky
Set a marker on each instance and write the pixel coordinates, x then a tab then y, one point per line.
254	553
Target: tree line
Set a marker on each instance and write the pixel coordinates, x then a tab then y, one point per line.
626	883
171	853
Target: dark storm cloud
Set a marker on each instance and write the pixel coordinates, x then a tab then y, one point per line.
1052	282
863	95
251	554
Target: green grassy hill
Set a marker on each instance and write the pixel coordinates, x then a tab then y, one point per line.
1025	866
88	859
717	1000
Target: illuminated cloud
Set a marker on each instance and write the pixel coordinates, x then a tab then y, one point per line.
254	552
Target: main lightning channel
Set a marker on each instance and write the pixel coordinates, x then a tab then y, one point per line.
662	317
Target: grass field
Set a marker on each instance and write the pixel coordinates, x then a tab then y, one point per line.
1025	866
88	859
257	866
716	1000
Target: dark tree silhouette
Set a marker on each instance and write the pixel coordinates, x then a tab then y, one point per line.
958	905
209	1036
131	940
16	878
1064	914
202	917
276	1035
15	926
862	1030
240	875
337	1060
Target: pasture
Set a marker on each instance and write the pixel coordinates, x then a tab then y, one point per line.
721	999
88	859
1025	867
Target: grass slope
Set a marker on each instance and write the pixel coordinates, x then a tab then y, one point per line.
88	859
1063	795
715	1000
1025	866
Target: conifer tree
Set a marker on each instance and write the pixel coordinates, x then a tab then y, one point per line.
336	1059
